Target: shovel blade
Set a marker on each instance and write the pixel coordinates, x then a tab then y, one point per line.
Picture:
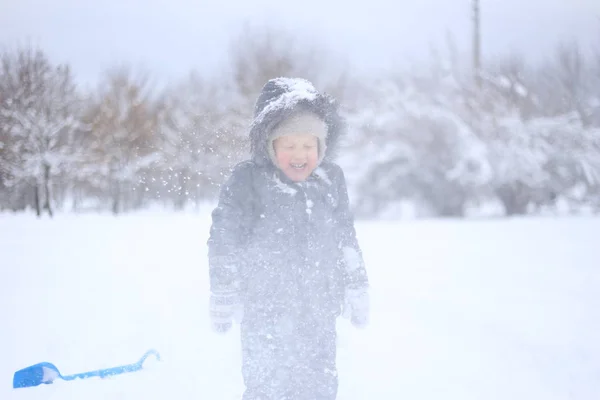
35	375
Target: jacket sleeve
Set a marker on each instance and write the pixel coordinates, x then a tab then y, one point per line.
351	254
231	227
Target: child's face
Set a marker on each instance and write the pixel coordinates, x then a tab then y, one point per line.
297	155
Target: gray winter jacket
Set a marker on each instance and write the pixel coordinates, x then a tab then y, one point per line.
291	246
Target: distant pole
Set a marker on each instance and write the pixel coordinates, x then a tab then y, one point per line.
476	44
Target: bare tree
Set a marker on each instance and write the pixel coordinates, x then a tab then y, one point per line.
123	120
570	75
257	55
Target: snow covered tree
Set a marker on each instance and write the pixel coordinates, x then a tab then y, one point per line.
525	137
595	84
39	111
536	126
570	102
5	198
415	146
500	111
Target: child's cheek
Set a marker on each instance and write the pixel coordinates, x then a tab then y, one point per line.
283	157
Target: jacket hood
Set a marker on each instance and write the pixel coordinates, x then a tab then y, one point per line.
279	99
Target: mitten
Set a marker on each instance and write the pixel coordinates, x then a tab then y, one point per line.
224	307
357	305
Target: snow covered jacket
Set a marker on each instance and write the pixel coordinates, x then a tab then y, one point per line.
289	246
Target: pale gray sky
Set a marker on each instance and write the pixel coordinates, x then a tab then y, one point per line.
170	37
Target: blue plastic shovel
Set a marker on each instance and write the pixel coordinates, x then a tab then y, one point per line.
46	372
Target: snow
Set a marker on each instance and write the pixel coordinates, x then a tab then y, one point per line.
309	205
49	374
320	172
494	309
297	90
351	258
284	188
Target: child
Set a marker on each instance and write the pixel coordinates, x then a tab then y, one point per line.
283	247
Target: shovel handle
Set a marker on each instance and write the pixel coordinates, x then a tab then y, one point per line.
45	373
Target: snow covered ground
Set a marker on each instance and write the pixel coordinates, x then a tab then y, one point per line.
487	309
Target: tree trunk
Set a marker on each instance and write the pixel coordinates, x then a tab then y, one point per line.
445	198
115	189
116	197
36	200
47	205
181	199
450	210
197	197
514	199
75	203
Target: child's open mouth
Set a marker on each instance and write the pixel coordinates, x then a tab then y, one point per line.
298	166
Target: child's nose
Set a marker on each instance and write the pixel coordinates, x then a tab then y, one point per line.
300	153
